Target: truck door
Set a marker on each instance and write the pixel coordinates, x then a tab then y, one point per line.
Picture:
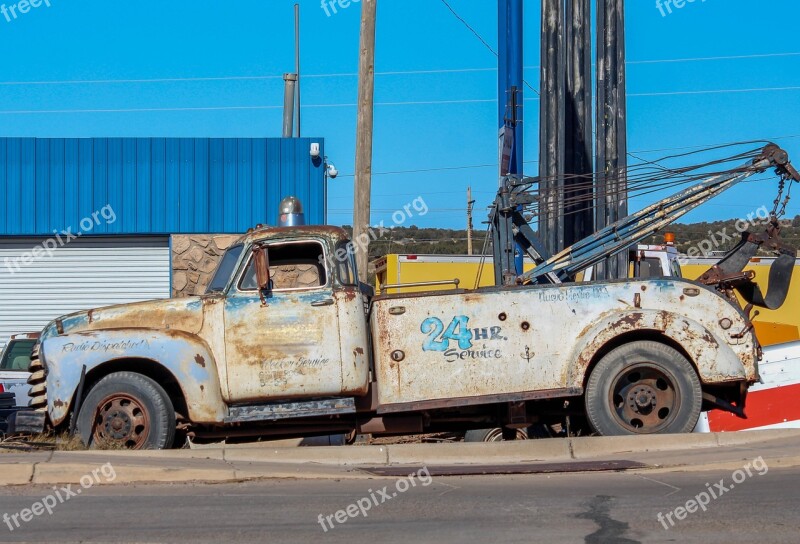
289	348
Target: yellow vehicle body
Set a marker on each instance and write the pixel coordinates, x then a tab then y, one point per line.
419	269
772	326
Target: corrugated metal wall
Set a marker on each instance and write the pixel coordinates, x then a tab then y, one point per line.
155	185
86	273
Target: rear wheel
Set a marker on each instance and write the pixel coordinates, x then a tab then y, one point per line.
127	410
643	388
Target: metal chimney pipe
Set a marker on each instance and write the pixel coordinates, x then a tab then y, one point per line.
289	85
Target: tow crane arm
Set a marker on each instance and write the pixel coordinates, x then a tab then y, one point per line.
510	227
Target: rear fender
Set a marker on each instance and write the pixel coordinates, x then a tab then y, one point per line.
185	356
714	360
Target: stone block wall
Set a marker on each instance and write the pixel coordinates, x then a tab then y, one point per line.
194	259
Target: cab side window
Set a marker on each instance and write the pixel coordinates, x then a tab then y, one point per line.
18	355
292	267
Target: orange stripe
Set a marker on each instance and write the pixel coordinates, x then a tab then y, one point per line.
766	407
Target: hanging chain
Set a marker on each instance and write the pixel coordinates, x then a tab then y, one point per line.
781	187
778	213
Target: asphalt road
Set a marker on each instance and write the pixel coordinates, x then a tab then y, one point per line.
594	508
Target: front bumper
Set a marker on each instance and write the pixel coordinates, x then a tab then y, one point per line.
27	422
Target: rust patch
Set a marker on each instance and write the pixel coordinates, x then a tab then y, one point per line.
710	339
202	387
644	288
91	316
350	295
358	351
200	360
630	320
58	403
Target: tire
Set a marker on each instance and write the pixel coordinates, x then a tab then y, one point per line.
129	411
643	388
491	435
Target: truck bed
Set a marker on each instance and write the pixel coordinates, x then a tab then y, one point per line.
505	344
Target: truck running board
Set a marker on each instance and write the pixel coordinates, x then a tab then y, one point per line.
290	410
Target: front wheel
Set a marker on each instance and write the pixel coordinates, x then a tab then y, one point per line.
643	388
128	411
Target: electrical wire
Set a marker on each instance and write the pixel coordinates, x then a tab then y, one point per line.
355	74
477	35
353	104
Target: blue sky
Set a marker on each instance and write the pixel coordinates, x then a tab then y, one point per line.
429	56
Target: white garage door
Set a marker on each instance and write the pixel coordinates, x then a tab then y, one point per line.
86	273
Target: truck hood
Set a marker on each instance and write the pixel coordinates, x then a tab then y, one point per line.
183	314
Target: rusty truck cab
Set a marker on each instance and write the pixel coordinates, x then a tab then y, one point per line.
294	316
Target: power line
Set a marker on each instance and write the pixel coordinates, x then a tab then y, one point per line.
141	110
703	59
705	146
475	32
477	166
469	27
353	105
720	91
354	74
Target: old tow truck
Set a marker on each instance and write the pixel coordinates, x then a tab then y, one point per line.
281	345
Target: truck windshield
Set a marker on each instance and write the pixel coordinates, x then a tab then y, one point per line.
225	269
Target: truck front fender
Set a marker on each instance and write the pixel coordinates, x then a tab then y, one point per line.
185	356
713	358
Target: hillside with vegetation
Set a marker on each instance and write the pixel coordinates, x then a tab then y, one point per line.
720	235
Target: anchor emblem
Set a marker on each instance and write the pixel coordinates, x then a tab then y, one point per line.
528	354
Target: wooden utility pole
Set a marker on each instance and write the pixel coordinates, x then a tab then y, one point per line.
366	98
470	204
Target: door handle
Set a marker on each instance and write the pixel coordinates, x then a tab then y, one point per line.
324	302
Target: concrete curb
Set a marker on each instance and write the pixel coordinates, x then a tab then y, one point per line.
227	464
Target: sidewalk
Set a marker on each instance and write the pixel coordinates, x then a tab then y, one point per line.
236	463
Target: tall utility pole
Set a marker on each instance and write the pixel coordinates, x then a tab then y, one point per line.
366	99
566	124
579	219
289	98
612	147
567	188
297	60
510	105
551	127
470	205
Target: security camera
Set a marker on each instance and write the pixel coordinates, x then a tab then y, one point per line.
332	171
315	150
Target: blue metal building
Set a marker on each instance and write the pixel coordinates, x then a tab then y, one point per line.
90	222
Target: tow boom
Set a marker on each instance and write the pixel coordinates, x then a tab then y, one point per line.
510	227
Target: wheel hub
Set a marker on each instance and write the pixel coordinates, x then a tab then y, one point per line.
118	425
642	398
123	420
